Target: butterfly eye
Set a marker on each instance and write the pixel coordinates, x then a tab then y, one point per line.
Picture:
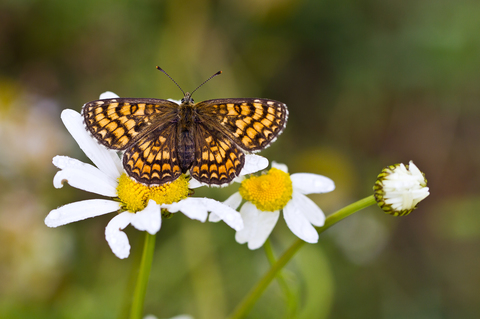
191	100
182	100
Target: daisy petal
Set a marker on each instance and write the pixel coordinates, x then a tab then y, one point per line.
309	209
189	207
193	183
298	223
198	208
258	226
74	212
248	213
307	183
234	200
148	219
213	218
415	171
239	179
107	161
83	176
229	215
116	238
253	163
108	95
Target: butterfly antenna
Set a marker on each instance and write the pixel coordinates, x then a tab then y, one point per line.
160	69
218	73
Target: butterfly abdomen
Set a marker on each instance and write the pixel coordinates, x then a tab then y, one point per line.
185	138
185	150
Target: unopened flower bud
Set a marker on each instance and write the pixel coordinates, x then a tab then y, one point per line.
399	188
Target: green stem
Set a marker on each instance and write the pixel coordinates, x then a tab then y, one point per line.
136	312
244	307
290	298
269	252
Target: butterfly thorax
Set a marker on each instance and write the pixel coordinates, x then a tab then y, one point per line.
186	134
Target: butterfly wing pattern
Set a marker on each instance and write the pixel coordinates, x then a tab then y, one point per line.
162	139
153	160
217	159
119	123
253	124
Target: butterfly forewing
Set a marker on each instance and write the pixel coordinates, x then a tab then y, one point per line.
153	159
251	123
217	159
120	122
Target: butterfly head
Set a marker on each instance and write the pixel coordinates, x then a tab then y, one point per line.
187	99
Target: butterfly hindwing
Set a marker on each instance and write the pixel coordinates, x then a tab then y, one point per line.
153	159
251	123
117	123
217	159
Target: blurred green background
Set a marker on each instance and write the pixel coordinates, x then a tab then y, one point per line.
368	84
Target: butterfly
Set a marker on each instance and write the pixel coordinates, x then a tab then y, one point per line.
162	139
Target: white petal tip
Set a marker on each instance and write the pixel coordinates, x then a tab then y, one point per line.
253	164
108	95
51	219
193	183
69	114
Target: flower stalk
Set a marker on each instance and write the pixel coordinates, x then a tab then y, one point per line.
244	307
138	300
289	295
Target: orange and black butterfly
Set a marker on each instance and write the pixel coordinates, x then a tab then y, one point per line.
163	139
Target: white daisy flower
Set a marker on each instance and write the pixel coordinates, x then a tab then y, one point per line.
277	190
135	203
399	188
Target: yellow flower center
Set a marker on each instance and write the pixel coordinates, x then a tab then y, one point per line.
135	196
269	192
